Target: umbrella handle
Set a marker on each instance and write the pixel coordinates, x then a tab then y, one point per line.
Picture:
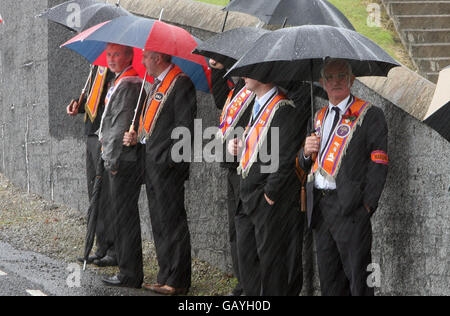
314	155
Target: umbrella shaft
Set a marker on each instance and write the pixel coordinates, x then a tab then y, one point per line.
139	100
88	79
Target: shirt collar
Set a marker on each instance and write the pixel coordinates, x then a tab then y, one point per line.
123	71
342	105
263	100
163	75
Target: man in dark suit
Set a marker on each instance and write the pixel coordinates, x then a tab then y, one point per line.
92	106
121	164
171	104
236	113
269	223
345	182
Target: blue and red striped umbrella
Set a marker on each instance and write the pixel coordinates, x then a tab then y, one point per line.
144	34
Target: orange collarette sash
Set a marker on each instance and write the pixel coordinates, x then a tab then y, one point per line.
151	111
94	99
329	162
233	111
128	73
257	134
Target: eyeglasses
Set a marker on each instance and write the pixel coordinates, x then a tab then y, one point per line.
340	76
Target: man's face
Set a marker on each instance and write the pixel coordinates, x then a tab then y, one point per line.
251	84
337	82
150	61
117	58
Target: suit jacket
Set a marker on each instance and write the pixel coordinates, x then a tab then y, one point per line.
360	180
180	109
220	90
282	185
90	128
117	121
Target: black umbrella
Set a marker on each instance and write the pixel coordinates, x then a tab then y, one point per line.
229	46
440	121
93	211
438	113
79	15
292	12
297	53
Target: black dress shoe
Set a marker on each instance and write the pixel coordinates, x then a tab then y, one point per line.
237	291
115	281
90	260
107	261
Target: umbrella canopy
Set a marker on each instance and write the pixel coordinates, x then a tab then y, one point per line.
144	34
292	12
79	15
438	115
229	46
297	53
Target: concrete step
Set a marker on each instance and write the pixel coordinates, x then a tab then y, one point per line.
430	50
423	22
418	7
432	64
427	36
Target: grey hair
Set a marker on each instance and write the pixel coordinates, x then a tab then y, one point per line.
338	61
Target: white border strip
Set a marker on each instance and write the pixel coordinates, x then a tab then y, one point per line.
35	293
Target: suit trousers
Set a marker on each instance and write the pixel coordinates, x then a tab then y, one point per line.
270	241
124	192
104	229
233	206
165	193
343	245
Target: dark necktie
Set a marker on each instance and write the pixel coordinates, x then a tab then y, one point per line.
335	121
154	87
336	118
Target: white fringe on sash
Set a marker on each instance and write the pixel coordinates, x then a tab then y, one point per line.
344	150
253	158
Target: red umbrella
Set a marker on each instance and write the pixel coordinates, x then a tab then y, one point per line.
148	34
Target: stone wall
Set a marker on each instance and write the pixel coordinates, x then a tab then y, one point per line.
42	149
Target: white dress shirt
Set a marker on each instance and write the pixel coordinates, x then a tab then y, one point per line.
320	182
265	98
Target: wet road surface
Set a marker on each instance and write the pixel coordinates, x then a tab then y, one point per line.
25	273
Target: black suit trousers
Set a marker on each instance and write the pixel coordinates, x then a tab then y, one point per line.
104	229
270	241
233	206
165	193
343	245
124	192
